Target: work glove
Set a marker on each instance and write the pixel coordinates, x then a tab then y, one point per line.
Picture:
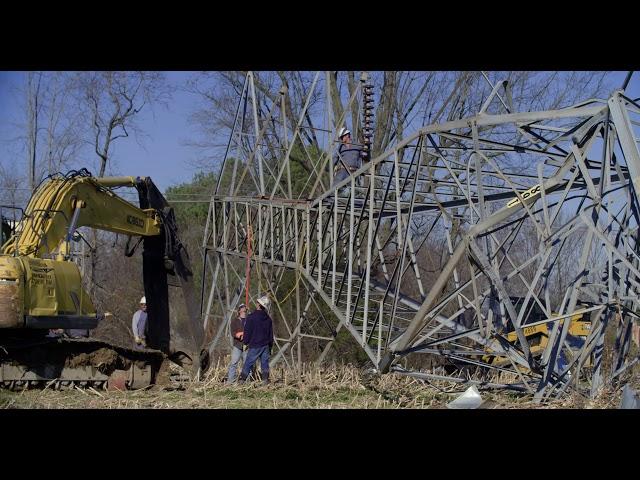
138	340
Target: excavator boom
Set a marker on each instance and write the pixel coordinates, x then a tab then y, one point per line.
62	205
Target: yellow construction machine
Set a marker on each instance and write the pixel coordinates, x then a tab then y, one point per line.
538	335
41	289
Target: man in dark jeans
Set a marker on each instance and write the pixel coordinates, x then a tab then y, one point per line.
258	336
237	352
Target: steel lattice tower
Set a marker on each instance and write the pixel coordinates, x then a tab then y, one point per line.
510	195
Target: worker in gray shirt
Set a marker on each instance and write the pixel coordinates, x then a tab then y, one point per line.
139	325
347	159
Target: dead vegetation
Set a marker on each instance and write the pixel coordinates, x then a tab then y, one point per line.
334	387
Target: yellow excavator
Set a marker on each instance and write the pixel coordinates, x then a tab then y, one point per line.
41	289
538	335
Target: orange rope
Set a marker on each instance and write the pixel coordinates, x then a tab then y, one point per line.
248	269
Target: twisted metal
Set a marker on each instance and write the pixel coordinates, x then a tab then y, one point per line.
480	242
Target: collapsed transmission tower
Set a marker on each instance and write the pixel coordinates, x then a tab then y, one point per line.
535	213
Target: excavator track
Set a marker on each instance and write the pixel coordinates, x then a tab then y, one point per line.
60	362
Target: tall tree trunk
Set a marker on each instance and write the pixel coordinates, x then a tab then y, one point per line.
384	113
336	102
355	124
33	98
51	127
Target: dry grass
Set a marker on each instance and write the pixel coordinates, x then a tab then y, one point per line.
335	387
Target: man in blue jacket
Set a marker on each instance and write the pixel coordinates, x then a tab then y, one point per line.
258	336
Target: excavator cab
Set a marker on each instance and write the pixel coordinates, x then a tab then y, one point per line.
6	231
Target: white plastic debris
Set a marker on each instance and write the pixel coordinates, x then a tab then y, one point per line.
630	399
468	400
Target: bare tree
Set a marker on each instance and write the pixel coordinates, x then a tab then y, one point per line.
219	93
34	106
111	103
49	131
64	128
405	100
12	191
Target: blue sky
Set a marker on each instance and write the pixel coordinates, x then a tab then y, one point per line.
162	155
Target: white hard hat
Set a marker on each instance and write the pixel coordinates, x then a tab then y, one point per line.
343	132
143	300
264	301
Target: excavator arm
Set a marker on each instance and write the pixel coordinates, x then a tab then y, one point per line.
164	255
62	205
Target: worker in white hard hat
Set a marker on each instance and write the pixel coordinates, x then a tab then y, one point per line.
139	324
258	336
347	159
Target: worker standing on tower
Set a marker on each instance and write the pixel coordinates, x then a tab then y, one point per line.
347	159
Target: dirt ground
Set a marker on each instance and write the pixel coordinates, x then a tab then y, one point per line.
315	388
